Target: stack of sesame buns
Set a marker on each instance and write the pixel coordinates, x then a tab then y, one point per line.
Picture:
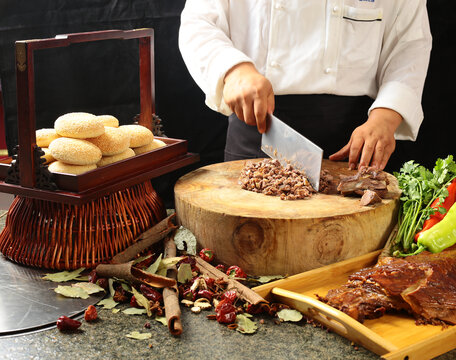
80	142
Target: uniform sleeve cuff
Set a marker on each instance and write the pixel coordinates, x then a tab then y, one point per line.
227	58
399	97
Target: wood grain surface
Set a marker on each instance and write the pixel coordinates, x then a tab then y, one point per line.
265	235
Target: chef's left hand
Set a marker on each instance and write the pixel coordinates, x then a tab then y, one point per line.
373	142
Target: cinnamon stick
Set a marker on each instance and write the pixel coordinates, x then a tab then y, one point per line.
243	291
171	294
132	274
146	239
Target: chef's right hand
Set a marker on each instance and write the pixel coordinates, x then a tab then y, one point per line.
249	94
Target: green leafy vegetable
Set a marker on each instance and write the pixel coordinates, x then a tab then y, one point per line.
420	187
152	269
289	315
245	325
64	276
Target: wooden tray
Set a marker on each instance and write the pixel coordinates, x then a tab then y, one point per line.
391	336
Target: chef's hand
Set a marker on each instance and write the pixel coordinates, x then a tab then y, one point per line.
372	143
249	95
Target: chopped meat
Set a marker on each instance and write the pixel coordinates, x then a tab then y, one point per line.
424	285
328	184
271	178
369	198
364	179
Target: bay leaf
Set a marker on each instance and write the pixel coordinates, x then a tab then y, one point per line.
134	311
245	325
185	240
184	273
289	315
162	320
139	336
72	291
142	301
63	276
152	269
108	303
267	278
89	287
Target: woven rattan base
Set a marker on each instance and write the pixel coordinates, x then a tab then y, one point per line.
61	236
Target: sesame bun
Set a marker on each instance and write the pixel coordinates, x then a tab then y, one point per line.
75	151
106	160
112	142
61	167
47	156
155	144
79	125
139	135
45	136
109	120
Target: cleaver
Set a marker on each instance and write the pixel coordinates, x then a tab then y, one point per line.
285	144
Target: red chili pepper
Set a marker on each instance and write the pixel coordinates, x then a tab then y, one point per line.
438	216
225	313
91	313
133	302
236	271
254	309
210	282
66	323
230	295
221	267
150	293
204	294
206	254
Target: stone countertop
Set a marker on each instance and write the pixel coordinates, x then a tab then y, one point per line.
201	338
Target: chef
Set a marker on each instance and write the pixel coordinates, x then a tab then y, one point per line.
348	75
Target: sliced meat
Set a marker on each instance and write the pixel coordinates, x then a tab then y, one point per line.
364	179
423	285
370	198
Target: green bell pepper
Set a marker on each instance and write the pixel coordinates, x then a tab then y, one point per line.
442	235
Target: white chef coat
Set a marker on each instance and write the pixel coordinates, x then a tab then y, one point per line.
378	48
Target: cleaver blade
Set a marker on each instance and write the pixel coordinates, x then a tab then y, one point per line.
285	144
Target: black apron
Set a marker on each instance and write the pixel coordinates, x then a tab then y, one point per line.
326	120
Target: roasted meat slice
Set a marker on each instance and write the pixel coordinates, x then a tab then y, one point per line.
424	285
364	179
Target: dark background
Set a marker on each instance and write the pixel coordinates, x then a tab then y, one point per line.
102	77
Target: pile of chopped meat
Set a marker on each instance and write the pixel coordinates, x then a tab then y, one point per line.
271	178
423	285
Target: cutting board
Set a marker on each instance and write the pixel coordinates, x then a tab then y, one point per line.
268	236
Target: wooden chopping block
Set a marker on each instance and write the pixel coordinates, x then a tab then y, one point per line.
268	236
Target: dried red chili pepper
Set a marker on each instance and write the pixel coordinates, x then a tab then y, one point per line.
205	294
133	302
103	282
92	277
236	271
206	254
189	294
66	323
225	313
210	282
150	293
189	260
91	313
254	309
230	295
221	267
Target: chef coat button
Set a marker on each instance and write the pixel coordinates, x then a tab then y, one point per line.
274	64
335	10
328	70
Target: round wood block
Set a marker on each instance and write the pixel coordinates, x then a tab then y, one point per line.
268	236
